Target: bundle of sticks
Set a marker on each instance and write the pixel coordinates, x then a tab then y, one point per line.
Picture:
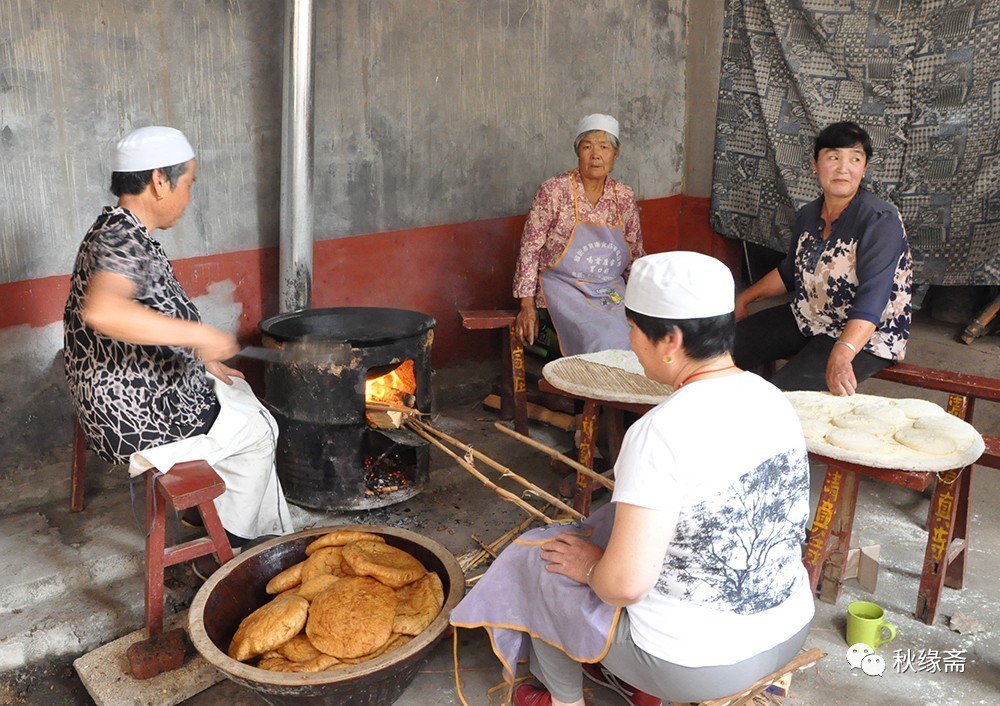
470	456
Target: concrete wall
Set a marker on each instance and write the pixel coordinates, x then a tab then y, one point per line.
435	123
426	112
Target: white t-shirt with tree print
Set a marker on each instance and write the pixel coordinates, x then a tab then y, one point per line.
728	455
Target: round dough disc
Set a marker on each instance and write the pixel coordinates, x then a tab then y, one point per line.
926	441
871	425
814	428
914	409
886	413
855	440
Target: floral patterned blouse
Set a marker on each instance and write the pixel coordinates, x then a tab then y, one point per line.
551	220
130	397
863	270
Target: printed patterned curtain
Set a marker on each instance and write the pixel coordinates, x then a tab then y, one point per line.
921	76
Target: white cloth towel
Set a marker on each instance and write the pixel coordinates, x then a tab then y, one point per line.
240	446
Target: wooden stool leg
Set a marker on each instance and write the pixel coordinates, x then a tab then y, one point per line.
79	468
588	440
223	551
940	532
156	518
830	536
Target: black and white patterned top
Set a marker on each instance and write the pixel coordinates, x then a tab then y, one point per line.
863	270
130	397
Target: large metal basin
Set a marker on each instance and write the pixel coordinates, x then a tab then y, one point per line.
237	589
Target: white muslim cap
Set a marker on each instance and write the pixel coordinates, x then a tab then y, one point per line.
680	285
597	121
151	148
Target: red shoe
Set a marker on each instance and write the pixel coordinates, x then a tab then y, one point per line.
527	695
599	675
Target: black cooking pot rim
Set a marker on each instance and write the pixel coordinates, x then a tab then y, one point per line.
357	325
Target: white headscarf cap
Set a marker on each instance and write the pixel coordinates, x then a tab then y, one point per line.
680	285
598	121
151	147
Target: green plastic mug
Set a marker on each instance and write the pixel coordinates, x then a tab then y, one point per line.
866	623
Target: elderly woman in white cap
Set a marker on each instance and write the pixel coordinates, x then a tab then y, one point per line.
137	353
579	241
689	585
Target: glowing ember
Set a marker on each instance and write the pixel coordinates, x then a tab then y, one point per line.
395	388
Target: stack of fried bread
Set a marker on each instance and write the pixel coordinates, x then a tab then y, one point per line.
353	598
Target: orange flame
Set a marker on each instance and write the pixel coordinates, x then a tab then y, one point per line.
393	388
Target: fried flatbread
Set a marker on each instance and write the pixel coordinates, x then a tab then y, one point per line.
320	663
395	641
298	649
352	618
289	578
339	538
313	587
391	566
268	627
323	561
418	604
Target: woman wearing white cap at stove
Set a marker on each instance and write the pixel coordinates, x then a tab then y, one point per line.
689	585
137	353
579	241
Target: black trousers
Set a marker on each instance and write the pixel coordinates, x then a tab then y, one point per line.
772	334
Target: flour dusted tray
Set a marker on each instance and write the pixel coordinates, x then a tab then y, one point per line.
613	376
879	432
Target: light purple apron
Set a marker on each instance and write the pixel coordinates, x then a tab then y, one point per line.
585	289
518	599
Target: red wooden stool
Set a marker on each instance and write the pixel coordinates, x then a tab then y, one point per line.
513	386
189	484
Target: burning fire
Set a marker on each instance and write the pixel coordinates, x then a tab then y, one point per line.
396	388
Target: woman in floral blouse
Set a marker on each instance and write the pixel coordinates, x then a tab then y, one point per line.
580	239
849	273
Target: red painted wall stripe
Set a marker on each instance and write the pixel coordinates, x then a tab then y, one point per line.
437	270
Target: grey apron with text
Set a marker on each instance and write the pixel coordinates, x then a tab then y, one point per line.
585	289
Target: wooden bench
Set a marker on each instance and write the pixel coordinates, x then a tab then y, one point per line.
513	384
948	518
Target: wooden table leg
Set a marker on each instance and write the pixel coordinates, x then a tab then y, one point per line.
830	537
514	386
588	440
940	548
955	572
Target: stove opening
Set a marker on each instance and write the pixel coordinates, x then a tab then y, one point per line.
397	387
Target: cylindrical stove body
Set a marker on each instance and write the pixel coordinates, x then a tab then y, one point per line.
328	456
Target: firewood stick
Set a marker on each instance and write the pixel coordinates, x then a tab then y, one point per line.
386	407
560	420
575	465
486	547
471	561
506	472
506	494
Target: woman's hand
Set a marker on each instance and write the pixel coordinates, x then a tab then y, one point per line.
223	371
840	376
214	345
526	323
571	556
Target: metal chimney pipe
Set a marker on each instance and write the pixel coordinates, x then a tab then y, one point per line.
295	256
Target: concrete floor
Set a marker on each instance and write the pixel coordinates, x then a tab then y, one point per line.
74	580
